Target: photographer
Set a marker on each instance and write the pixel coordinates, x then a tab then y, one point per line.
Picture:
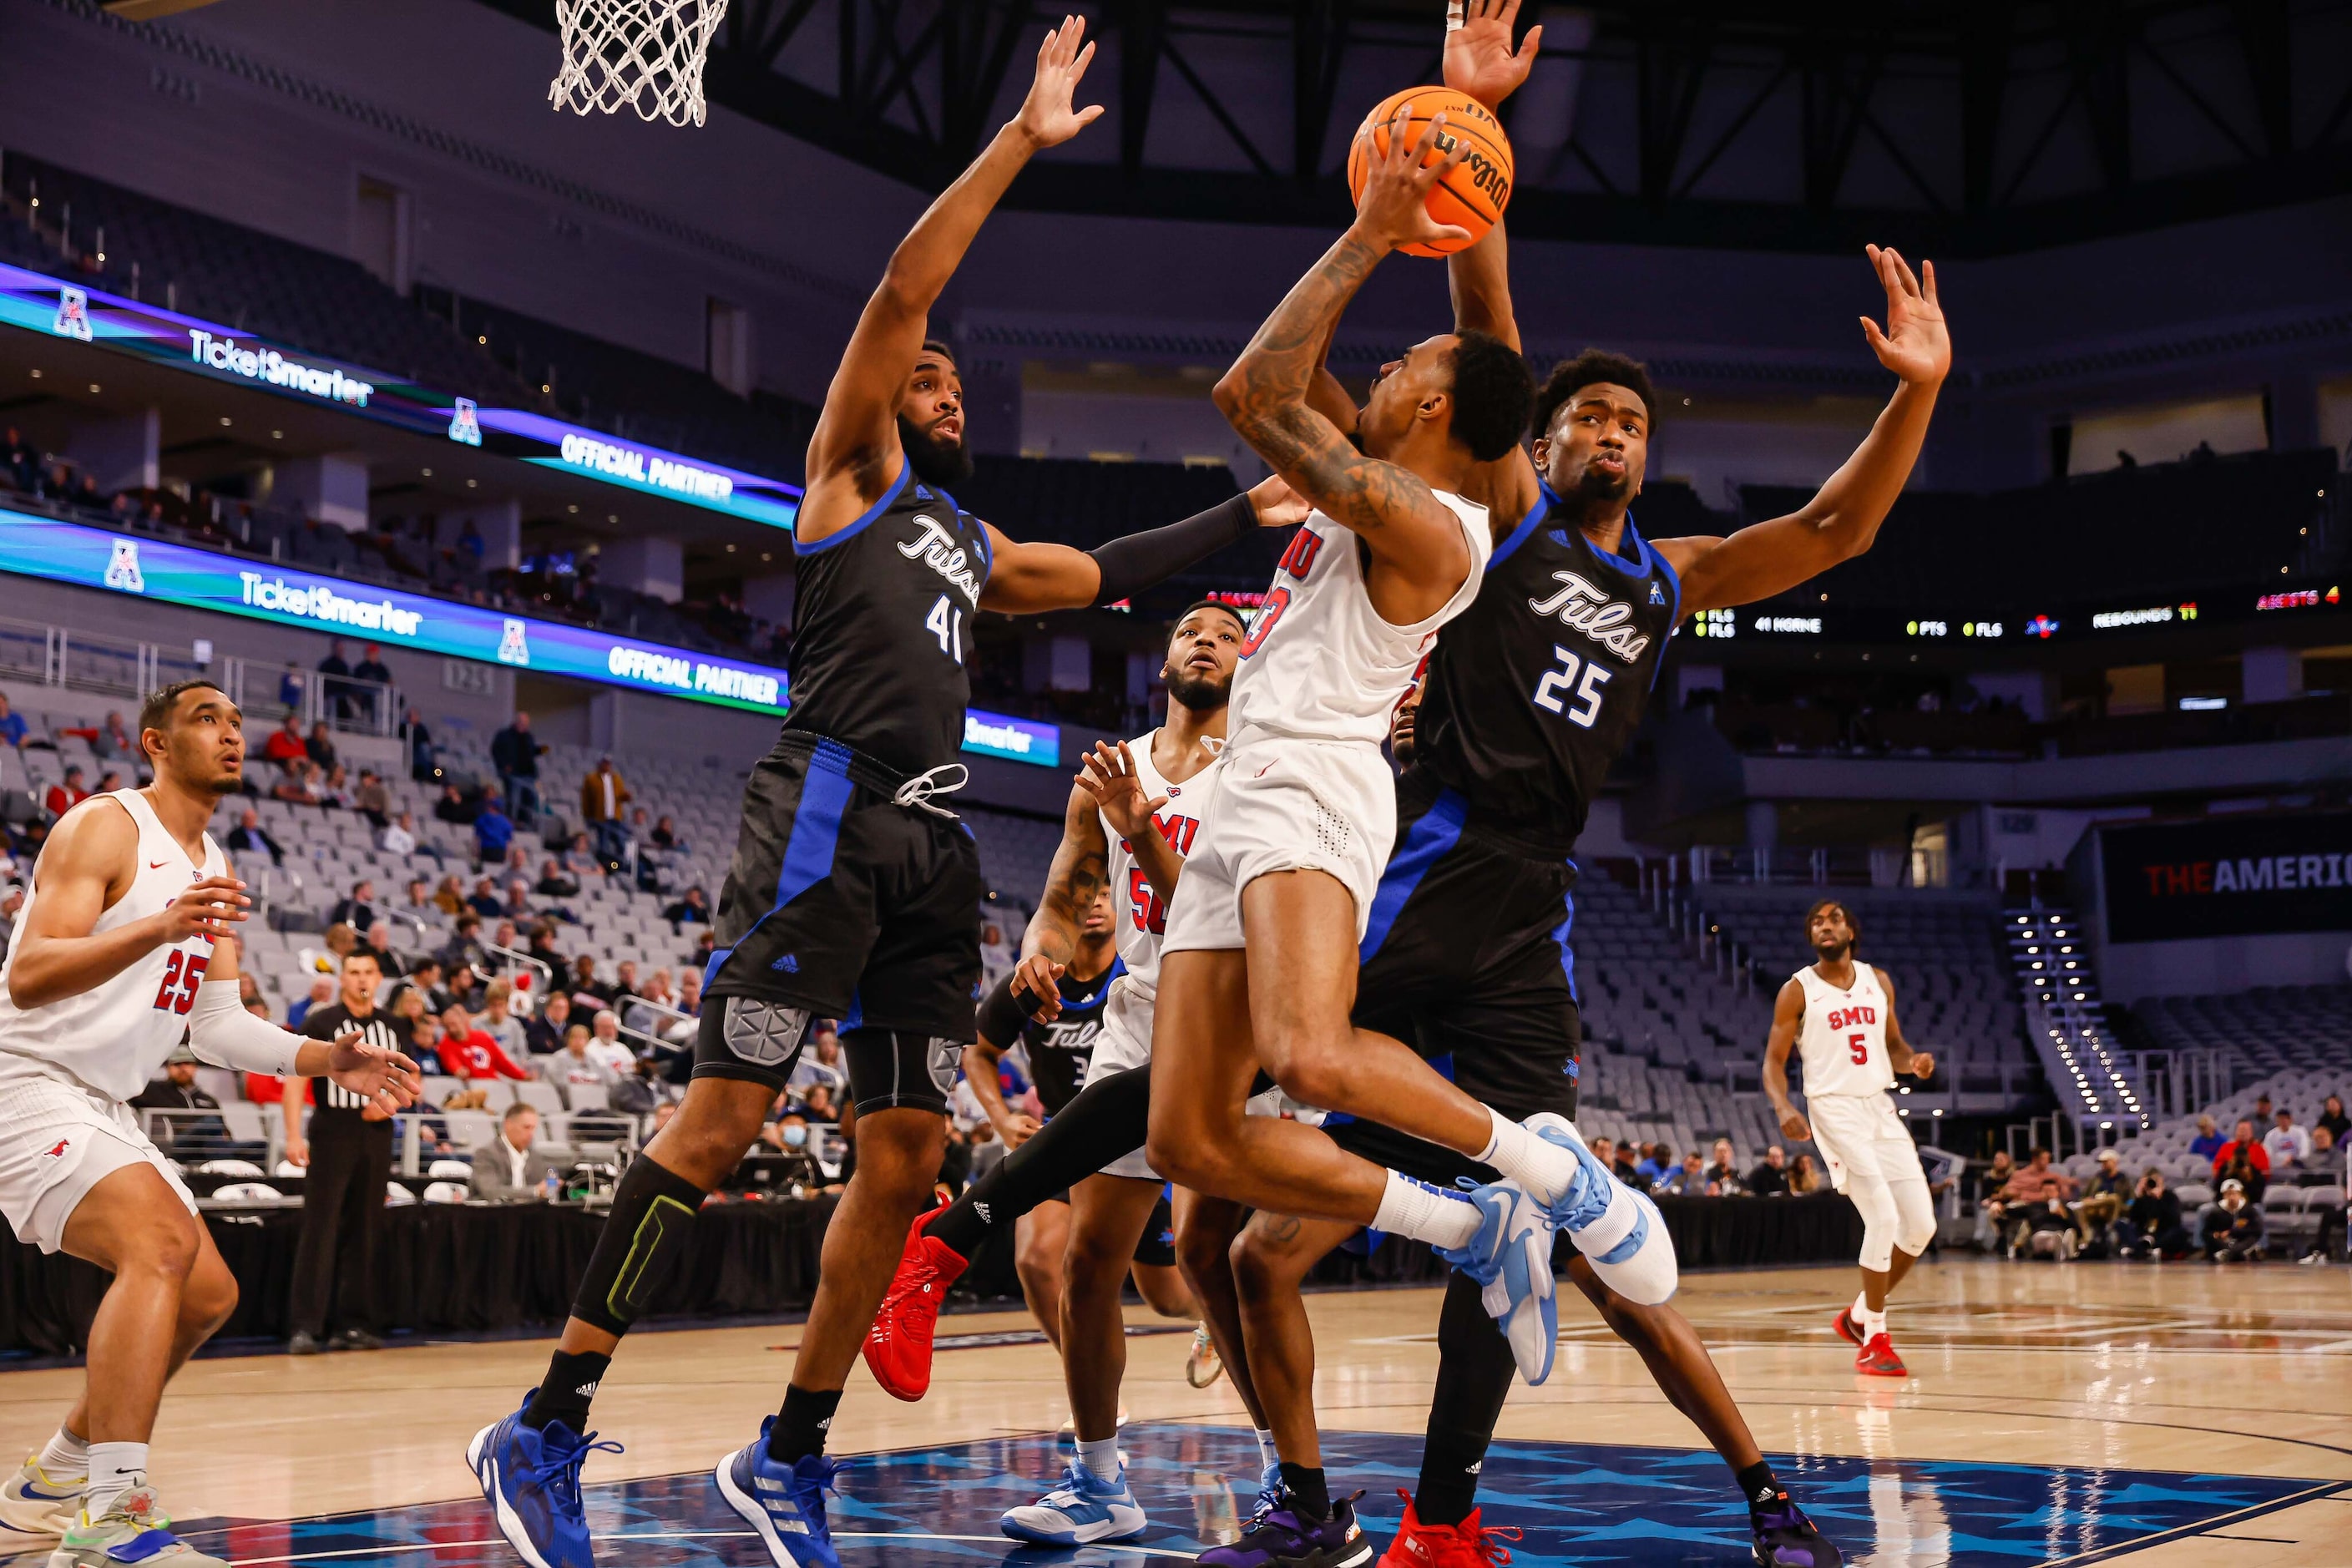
2152	1226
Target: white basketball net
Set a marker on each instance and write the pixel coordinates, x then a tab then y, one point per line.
646	54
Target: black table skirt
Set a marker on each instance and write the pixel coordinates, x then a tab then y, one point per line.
450	1268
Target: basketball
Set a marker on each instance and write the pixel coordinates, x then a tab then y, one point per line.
1473	197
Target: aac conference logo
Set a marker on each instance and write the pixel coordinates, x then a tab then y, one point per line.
122	572
514	644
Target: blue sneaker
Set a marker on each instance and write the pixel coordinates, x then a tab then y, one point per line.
1619	1231
785	1503
1510	1257
1269	1491
1085	1508
530	1479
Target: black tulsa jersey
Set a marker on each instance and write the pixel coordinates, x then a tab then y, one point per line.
1534	690
1059	1052
882	627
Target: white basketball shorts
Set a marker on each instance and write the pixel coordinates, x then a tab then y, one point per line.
1862	1139
58	1139
1285	805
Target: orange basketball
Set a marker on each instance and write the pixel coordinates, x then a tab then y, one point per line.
1474	196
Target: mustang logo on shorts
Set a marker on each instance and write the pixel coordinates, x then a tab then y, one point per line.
763	1034
57	1152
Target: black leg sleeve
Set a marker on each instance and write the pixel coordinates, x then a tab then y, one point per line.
1107	1120
1474	1377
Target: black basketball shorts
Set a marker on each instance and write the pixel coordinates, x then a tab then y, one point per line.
1466	959
842	904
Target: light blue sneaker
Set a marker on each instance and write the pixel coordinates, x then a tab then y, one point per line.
530	1479
1269	1491
1619	1230
1510	1257
785	1503
1085	1508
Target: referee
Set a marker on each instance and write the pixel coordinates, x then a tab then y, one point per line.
349	1157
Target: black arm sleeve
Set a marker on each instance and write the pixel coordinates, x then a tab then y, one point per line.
1142	560
1001	1017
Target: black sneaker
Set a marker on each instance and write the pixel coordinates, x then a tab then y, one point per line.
304	1342
357	1339
1785	1538
1279	1540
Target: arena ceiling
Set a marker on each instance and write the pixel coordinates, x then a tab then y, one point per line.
1975	128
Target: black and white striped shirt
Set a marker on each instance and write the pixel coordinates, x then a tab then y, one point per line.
332	1023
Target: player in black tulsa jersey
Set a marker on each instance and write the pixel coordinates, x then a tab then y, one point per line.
1529	697
854	894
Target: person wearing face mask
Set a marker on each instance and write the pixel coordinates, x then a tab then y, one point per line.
789	1135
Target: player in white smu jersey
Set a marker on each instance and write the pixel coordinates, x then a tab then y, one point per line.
122	950
1838	1013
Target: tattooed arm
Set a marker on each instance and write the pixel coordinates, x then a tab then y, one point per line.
1081	863
1266	395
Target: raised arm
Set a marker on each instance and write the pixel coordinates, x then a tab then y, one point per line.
1081	864
855	455
1787	1014
1027	579
1110	780
1841	521
1265	394
86	865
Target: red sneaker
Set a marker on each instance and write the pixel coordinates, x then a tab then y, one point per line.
898	1345
1467	1545
1877	1358
1848	1329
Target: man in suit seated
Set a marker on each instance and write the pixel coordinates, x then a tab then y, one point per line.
508	1169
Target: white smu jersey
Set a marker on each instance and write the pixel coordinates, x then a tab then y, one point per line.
1138	913
1319	663
1843	1041
114	1036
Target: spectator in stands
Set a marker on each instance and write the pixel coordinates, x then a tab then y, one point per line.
12	726
1626	1168
492	831
423	763
2233	1226
496	1019
2103	1198
553	883
468	1052
2034	1199
1769	1178
2325	1165
544	948
295	787
1689	1181
575	1063
377	944
1804	1180
112	740
2262	1110
425	980
319	746
543	1032
334	792
690	1002
188	1136
2246	1141
2332	1117
248	837
817	1104
2207	1145
372	668
664	835
11	904
624	989
399	837
586	987
2152	1226
508	1169
515	753
2249	1166
580	859
484	902
1723	1172
292	684
358	911
448	897
603	798
604	1040
322	991
373	800
339	941
285	743
693	908
2285	1144
454	808
20	465
464	949
1657	1163
336	685
517	906
64	796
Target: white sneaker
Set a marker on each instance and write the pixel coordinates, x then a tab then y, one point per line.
136	1530
36	1502
1085	1508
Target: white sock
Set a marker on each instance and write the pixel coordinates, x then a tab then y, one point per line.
64	1455
1871	1323
1547	1170
1266	1454
1101	1458
1426	1213
114	1469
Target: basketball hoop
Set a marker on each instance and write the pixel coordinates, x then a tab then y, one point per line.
646	54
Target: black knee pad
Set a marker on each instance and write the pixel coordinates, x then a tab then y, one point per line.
647	1233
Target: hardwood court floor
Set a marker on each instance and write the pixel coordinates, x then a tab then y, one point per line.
2161	1415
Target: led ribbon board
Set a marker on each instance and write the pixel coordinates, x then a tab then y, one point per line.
47	305
201	580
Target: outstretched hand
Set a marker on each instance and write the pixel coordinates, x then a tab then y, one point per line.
1393	211
1111	777
387	1080
1479	59
1915	344
1046	117
1276	504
